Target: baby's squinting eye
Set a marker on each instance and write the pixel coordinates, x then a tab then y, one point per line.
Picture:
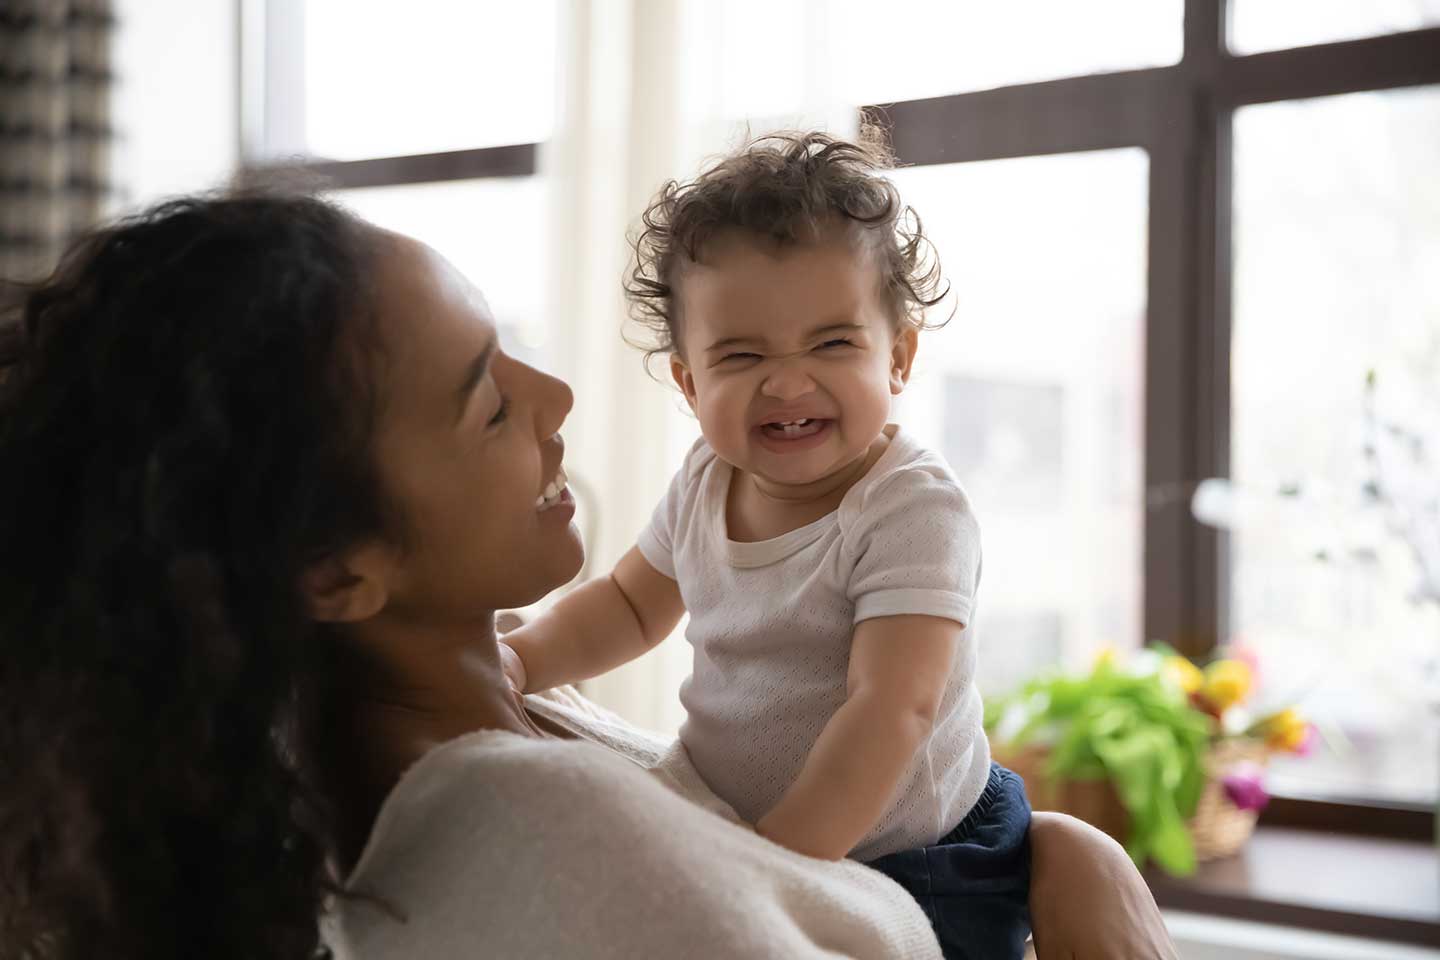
740	356
830	344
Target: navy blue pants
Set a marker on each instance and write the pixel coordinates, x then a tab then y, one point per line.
975	883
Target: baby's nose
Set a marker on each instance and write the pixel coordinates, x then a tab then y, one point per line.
787	381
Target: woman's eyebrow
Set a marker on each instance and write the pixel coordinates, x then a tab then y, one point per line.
473	375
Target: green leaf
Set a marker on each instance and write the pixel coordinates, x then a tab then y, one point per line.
1134	731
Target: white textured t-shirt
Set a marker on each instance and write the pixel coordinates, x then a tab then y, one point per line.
771	624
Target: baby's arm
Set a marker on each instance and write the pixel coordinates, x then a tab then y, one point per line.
899	667
599	625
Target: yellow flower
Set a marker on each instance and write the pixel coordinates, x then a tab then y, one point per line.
1227	682
1183	674
1286	730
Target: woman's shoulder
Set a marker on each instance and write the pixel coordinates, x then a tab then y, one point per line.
494	800
524	847
475	839
489	774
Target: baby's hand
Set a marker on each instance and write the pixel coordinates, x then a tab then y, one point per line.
513	666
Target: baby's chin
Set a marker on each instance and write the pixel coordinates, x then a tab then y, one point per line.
798	475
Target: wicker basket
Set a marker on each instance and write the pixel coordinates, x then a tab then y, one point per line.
1219	828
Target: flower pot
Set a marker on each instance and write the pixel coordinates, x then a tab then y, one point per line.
1218	829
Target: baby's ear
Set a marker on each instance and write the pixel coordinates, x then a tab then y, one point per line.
902	356
683	378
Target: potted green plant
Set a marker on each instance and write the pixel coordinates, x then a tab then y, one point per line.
1159	753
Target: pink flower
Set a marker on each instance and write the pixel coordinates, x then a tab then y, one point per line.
1246	655
1307	741
1244	786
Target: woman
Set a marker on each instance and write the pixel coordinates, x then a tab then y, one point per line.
266	477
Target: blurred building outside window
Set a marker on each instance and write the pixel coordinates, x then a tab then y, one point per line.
1337	276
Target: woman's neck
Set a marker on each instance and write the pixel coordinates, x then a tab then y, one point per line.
400	691
432	681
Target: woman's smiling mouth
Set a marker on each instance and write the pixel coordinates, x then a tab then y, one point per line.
555	492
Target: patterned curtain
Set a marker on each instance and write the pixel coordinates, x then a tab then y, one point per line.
55	132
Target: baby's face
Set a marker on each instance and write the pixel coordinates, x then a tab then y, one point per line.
788	357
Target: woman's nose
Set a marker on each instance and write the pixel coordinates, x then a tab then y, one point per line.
554	402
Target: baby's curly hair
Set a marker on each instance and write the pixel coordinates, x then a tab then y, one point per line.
784	187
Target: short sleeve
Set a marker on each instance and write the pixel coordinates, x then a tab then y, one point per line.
657	540
916	548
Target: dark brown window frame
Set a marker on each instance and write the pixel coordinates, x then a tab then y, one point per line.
516	160
1182	116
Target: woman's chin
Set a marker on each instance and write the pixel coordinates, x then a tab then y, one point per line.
556	568
575	555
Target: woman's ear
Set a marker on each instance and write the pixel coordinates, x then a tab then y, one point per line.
902	356
683	378
348	587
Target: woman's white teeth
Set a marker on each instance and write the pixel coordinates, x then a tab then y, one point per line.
553	489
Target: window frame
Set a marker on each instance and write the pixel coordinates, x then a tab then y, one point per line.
1182	116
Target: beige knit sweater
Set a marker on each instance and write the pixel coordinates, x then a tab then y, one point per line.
497	846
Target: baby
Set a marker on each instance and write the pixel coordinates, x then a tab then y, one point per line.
828	561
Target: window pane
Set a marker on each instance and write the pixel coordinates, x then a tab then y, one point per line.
383	79
494	233
821	55
906	49
1337	273
1034	394
1257	25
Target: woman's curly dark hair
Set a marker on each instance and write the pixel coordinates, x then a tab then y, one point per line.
785	187
185	413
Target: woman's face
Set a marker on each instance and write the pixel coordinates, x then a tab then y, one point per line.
467	444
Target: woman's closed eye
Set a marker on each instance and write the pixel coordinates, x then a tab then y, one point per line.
501	413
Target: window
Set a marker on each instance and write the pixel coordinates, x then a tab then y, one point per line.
931	49
1337	247
853	52
1288	192
1259	25
1181	233
398	110
359	79
492	230
1034	390
382	79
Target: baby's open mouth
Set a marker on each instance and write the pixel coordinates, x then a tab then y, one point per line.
794	429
